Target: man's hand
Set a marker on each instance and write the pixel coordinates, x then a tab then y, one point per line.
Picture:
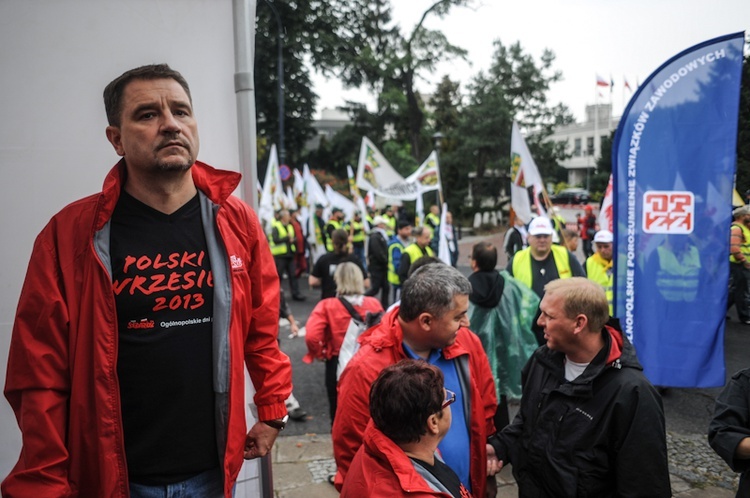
259	440
293	327
493	464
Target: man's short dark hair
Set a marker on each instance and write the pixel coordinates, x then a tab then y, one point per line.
403	224
403	397
485	256
114	91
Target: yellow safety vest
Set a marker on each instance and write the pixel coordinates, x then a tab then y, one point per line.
522	264
745	247
415	252
392	268
432	220
600	271
284	233
390	223
329	240
678	280
358	231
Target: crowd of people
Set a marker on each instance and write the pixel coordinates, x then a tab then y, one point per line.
144	305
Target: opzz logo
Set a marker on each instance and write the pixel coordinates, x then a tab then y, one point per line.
668	212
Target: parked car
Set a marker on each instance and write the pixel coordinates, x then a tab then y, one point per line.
571	196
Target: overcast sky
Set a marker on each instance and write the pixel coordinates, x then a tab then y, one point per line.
589	37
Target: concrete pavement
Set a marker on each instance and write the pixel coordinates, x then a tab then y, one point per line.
301	465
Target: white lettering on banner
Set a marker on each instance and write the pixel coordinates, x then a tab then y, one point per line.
681	73
677	215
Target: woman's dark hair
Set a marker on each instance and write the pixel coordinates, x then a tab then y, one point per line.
404	396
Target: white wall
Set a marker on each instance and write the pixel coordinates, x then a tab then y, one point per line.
55	59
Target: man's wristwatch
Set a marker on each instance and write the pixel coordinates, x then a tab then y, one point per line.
279	423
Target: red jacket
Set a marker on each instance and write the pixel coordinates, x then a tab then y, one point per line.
62	367
381	469
327	325
380	347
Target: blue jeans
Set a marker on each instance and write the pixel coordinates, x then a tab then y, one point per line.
209	484
359	252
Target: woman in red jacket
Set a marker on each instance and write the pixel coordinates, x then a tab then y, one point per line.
329	321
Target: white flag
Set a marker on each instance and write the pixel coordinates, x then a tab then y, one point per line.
315	195
359	202
525	180
273	192
339	201
427	175
444	253
375	173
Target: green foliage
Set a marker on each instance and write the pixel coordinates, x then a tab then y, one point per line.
514	87
301	21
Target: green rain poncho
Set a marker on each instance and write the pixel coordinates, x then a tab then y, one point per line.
505	327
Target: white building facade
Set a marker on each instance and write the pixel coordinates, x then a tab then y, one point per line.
584	142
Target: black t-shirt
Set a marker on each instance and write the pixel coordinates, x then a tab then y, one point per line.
446	476
164	295
326	265
545	271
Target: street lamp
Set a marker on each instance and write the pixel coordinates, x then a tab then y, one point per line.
280	67
437	139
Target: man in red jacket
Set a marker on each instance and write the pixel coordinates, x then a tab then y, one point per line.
141	306
431	325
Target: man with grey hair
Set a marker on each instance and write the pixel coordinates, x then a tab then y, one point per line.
590	423
430	324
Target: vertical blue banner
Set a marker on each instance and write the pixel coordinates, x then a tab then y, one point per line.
673	163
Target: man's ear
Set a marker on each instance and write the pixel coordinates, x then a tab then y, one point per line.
582	322
115	138
425	321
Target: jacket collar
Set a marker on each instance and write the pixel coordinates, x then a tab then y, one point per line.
617	353
382	448
216	184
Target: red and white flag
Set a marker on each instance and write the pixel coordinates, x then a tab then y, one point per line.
601	81
605	210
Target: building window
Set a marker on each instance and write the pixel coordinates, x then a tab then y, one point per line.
577	148
589	146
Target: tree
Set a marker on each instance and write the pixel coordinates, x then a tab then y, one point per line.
314	31
389	62
513	88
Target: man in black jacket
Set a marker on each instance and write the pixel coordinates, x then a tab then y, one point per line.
729	431
377	261
590	423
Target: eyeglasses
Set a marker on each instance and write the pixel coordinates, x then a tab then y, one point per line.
450	397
